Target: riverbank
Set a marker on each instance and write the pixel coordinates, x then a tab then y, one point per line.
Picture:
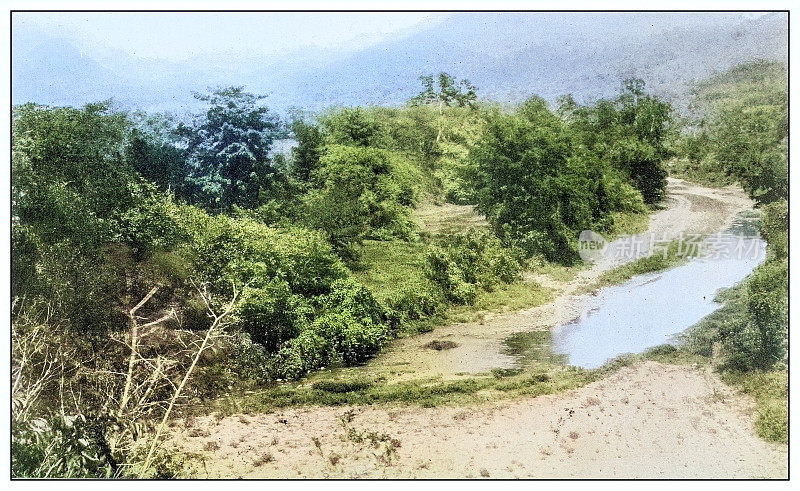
478	345
649	419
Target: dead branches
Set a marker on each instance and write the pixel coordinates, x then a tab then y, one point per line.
216	329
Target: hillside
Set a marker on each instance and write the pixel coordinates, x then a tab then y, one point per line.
507	55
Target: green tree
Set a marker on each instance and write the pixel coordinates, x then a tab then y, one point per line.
629	132
529	184
353	127
82	218
357	195
152	152
751	144
305	156
449	93
228	149
443	90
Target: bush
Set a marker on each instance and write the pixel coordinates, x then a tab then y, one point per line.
462	263
483	259
248	252
59	446
759	340
775	228
354	341
341	386
272	314
310	350
349	297
444	272
359	193
412	304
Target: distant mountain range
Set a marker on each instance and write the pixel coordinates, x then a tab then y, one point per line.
508	56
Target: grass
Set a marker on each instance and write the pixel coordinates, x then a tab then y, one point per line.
770	389
626	223
503	298
648	264
389	266
424	392
447	218
353	388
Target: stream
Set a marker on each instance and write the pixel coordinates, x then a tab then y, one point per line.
650	309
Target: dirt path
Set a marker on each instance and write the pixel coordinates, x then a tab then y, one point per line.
648	420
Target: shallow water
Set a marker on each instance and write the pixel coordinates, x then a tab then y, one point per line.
652	309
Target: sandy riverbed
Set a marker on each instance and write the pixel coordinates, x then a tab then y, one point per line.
646	421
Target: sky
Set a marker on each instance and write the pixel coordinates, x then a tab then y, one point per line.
180	36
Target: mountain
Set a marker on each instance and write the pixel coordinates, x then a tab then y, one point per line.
508	56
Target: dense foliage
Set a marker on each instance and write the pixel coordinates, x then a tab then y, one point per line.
541	178
744	134
157	261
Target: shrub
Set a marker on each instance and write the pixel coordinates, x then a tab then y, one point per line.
462	263
341	386
444	272
360	193
245	251
308	351
354	341
775	228
59	446
272	314
349	297
759	340
415	303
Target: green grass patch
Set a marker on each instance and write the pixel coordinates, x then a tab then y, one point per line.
447	218
341	386
423	392
556	272
657	261
513	296
627	223
771	392
390	266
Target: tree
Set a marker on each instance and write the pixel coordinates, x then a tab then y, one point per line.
153	154
81	216
228	149
449	93
751	144
353	127
629	132
305	156
358	195
531	187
